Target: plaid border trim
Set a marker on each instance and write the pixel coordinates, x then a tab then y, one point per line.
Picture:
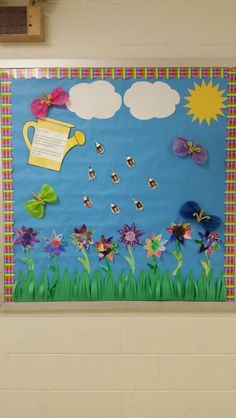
7	185
116	73
121	72
230	190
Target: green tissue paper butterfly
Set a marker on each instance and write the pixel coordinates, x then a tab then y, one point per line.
36	206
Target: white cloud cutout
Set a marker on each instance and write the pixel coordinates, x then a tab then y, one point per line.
151	100
94	100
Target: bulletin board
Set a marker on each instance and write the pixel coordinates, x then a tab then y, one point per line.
118	184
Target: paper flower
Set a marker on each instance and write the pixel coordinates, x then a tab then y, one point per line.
106	248
179	232
155	245
209	242
130	236
27	237
82	237
55	244
58	97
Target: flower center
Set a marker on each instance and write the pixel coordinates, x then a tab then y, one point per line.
26	236
130	236
178	231
154	245
56	243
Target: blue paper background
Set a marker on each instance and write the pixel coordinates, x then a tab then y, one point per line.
149	142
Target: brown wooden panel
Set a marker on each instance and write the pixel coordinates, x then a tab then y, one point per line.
13	20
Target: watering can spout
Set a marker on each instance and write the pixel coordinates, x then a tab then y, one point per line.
77	139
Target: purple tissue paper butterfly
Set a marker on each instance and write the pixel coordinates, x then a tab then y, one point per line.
182	147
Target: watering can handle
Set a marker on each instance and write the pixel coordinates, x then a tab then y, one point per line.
27	125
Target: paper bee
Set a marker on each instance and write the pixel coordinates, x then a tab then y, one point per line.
138	204
87	202
152	183
114	178
91	173
99	148
115	209
130	161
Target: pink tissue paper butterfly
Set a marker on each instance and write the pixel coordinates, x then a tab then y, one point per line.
182	147
58	97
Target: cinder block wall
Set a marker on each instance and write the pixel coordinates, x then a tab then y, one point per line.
123	365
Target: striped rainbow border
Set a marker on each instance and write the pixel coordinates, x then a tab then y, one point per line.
120	72
116	73
7	183
230	189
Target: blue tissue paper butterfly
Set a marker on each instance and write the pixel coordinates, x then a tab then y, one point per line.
191	210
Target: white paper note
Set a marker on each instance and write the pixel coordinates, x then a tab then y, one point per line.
48	144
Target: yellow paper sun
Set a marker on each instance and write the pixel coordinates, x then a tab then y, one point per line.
205	102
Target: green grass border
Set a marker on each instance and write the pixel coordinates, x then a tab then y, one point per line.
147	286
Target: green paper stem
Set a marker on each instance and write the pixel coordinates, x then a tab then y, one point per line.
153	265
54	265
107	268
85	260
179	258
28	260
206	264
130	259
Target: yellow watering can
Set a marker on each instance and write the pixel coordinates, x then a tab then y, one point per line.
50	142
